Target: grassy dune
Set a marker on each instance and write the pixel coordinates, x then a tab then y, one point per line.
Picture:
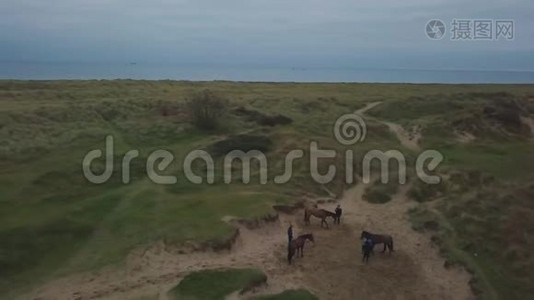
299	294
221	283
53	222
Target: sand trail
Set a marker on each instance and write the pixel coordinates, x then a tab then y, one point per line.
331	268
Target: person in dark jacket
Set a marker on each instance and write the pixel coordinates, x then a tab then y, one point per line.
338	212
367	249
289	234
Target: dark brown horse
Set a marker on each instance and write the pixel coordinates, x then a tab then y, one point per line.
385	239
319	213
297	245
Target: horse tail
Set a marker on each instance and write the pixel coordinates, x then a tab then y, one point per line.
391	244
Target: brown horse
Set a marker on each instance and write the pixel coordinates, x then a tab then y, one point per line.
385	239
297	245
319	213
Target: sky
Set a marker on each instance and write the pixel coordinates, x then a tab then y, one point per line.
303	33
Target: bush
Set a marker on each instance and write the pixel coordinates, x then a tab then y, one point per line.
377	197
243	142
422	219
205	109
217	284
380	193
261	118
299	294
274	120
422	192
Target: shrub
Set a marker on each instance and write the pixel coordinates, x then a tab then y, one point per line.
205	109
380	193
243	142
261	118
217	284
377	196
299	294
422	192
274	120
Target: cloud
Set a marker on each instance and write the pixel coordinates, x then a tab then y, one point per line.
231	30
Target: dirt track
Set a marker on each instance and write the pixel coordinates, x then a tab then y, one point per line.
408	138
331	268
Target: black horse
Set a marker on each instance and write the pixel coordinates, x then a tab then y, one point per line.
297	245
385	239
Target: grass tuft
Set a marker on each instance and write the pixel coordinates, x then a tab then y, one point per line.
216	284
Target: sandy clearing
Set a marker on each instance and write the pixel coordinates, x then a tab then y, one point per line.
331	268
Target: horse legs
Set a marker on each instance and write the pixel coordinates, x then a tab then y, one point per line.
385	246
302	251
325	222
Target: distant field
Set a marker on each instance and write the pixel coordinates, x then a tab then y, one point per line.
53	222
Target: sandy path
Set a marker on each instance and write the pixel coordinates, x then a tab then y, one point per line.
331	267
528	121
409	139
367	107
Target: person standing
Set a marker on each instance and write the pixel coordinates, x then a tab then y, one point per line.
289	234
367	248
338	214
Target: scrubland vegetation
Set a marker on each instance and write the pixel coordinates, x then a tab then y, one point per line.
53	222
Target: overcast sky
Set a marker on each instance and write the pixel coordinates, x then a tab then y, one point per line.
304	33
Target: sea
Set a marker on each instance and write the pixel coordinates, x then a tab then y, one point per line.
160	71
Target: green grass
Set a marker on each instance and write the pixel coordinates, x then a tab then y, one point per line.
299	294
505	160
53	222
216	284
488	232
422	192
